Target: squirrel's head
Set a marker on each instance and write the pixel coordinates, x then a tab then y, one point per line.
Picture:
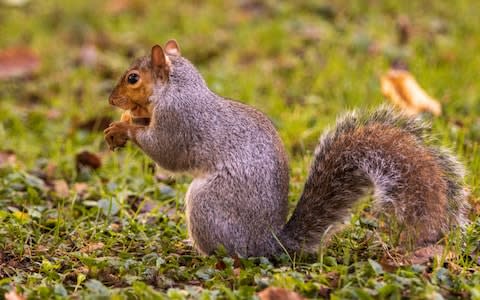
136	85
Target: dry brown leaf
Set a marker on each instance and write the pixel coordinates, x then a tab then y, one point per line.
18	62
7	158
88	159
92	247
275	293
390	263
80	188
401	88
424	255
115	227
13	295
393	260
220	265
60	187
41	249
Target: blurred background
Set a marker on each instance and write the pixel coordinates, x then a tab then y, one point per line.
301	62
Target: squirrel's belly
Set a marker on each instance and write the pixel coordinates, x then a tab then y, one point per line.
215	219
207	227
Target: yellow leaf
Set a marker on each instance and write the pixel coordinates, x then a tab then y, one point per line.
92	247
401	88
21	216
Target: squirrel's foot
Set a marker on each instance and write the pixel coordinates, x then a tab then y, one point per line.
116	135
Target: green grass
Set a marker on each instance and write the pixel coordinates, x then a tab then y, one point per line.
302	64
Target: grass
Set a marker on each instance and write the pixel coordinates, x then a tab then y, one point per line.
119	232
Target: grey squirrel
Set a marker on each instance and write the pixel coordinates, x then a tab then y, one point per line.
238	197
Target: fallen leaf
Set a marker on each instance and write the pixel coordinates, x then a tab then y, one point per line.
13	295
275	293
424	255
420	256
7	158
18	62
60	187
88	159
220	265
77	276
92	247
41	249
115	227
401	88
324	291
334	279
80	188
237	263
390	264
21	216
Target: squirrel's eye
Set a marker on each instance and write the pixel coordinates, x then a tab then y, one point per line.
133	78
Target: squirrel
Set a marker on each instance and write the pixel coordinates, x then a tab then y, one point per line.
238	196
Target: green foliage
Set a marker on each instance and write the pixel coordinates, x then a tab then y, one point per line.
122	234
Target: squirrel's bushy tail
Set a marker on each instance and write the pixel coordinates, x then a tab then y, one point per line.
420	184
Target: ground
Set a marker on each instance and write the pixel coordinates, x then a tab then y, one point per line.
77	220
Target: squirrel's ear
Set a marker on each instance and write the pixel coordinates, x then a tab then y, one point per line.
160	65
158	57
172	48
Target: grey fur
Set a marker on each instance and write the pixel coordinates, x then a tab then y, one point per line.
238	197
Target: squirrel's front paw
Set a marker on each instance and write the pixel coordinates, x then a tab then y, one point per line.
116	135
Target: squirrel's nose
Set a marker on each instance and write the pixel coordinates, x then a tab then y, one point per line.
110	100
